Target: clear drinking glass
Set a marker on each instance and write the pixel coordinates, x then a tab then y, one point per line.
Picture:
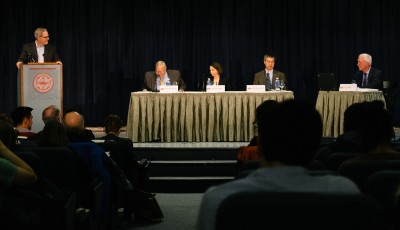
282	85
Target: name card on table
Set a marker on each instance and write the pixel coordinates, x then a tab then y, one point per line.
215	88
168	89
367	90
348	87
255	88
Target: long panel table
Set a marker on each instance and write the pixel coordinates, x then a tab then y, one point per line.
196	116
332	104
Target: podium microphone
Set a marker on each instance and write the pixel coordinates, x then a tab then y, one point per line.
29	57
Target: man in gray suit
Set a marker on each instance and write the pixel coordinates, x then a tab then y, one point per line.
161	76
260	78
40	50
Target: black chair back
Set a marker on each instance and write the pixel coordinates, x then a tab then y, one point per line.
384	186
263	210
390	93
359	171
336	159
59	166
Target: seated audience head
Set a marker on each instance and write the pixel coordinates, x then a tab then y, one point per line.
75	125
22	117
7	134
351	120
375	127
54	134
51	113
289	132
113	124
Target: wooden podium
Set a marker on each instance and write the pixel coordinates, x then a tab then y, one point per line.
41	85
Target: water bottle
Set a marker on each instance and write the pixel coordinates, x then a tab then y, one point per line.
168	82
277	84
209	82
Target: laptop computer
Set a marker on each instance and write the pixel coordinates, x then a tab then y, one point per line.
327	82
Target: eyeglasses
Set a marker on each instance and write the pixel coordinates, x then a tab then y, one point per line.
255	124
47	37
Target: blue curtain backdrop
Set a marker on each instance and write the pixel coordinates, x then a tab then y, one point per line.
106	46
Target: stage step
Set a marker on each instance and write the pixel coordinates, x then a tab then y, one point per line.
185	184
159	154
197	168
189	168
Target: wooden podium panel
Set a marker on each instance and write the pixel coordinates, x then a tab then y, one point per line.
41	86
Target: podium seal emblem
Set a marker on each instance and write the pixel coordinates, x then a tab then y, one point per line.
43	82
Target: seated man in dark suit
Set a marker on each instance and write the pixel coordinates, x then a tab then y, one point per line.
162	76
268	75
367	76
127	159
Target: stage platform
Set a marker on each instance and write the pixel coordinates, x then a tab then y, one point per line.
183	167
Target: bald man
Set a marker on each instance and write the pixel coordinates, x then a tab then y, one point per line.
75	125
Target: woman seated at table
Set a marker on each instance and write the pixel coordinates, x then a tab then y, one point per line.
217	78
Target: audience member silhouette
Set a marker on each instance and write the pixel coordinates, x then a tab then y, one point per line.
127	159
13	170
53	135
16	202
75	126
50	113
137	199
367	129
287	145
350	140
8	135
248	156
376	132
23	120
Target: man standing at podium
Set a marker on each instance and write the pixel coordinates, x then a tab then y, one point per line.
40	50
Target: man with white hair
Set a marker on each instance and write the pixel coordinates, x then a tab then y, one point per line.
367	76
161	76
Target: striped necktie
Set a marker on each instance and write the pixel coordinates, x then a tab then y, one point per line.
268	84
365	80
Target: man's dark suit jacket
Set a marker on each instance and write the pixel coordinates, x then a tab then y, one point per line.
260	78
127	159
50	53
223	81
374	79
150	80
